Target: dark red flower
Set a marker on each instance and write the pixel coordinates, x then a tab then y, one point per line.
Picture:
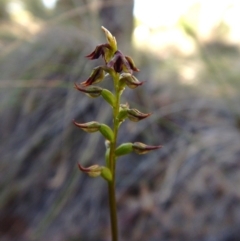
96	76
99	51
120	63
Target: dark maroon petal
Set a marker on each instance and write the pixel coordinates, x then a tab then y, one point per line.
118	65
131	64
96	53
96	76
99	51
117	62
87	82
79	88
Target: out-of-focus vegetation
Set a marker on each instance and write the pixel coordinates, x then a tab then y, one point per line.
187	191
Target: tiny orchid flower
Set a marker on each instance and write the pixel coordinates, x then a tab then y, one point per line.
98	51
135	115
141	148
128	79
96	76
120	63
92	91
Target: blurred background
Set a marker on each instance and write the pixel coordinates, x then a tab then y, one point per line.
188	54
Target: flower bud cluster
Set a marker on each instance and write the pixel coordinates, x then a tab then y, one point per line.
121	68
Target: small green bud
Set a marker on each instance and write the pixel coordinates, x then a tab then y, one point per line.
89	127
124	149
122	115
111	39
108	96
106	132
141	148
106	174
96	170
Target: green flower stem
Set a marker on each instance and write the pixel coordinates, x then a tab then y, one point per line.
120	68
112	163
113	210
